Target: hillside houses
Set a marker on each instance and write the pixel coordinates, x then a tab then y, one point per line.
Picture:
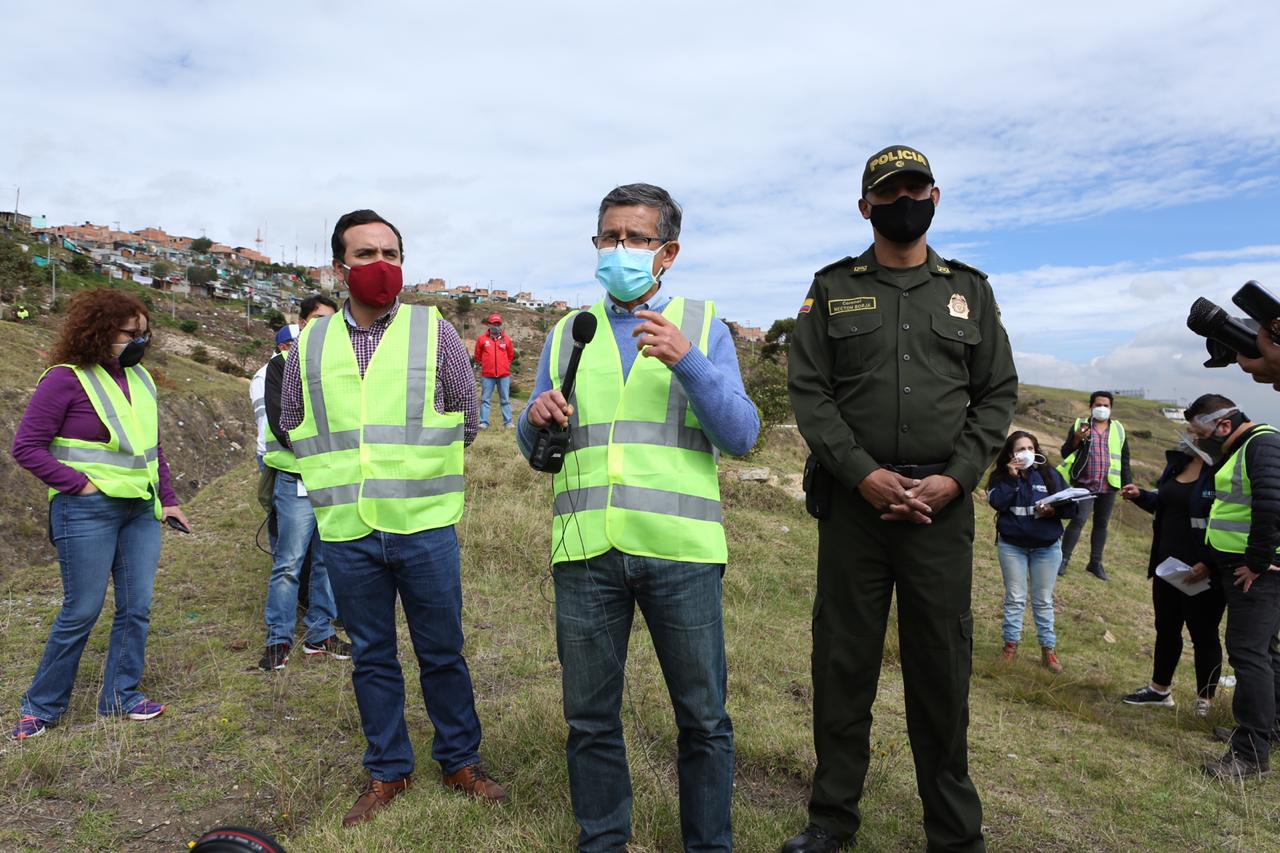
237	272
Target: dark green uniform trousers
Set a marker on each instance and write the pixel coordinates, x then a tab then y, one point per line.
860	561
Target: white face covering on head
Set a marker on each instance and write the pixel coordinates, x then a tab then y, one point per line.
1027	458
1101	413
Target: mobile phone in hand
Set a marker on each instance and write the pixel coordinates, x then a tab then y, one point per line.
177	525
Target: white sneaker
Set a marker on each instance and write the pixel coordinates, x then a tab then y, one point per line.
1203	706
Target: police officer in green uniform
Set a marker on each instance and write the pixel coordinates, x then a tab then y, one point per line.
903	385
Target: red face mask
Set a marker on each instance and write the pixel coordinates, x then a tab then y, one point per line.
377	284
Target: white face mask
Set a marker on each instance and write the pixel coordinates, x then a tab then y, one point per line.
1027	458
1101	413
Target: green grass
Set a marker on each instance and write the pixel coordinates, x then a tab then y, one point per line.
1060	763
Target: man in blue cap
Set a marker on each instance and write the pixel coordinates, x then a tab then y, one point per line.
295	526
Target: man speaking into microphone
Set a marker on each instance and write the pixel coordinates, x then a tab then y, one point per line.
636	517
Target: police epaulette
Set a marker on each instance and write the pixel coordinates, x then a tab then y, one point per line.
833	265
963	266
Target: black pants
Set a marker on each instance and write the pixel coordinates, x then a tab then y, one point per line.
1253	618
1100	508
861	560
1201	614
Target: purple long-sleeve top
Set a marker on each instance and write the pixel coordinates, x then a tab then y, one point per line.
60	407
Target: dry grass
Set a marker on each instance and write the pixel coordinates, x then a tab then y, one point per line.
1060	763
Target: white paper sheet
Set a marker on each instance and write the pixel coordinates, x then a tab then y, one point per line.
1175	572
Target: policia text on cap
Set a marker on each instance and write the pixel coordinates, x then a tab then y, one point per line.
903	386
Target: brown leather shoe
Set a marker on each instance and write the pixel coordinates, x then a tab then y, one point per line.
1049	658
1010	652
473	781
375	797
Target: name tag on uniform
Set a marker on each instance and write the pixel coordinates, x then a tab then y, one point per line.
844	306
1036	488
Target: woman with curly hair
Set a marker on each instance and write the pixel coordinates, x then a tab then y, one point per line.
90	433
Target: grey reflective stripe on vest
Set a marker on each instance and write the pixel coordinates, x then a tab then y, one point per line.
666	503
1231	526
113	416
259	408
391	489
581	500
323	440
1200	523
348	439
146	380
418	436
591	435
273	446
94	456
1022	510
1237	494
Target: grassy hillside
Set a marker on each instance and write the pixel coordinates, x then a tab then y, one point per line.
1061	764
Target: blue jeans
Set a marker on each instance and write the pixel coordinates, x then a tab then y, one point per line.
503	384
97	538
595	604
425	569
1016	563
295	533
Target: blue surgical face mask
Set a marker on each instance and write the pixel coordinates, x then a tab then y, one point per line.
626	273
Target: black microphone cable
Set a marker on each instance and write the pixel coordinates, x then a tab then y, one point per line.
648	737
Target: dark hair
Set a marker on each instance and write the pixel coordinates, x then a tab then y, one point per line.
1001	471
312	302
646	195
1096	394
1206	403
93	318
349	220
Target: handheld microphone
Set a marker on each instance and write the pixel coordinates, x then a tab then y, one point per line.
552	442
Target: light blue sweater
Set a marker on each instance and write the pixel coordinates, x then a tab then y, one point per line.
712	381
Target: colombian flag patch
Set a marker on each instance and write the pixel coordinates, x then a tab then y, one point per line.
807	306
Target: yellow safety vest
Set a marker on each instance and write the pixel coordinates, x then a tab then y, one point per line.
1115	447
127	465
1232	512
374	452
641	475
277	456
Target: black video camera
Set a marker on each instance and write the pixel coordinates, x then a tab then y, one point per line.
1226	336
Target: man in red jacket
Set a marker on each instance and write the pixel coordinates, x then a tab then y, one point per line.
495	352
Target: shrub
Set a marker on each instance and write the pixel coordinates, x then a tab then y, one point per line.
200	354
189	326
766	385
230	367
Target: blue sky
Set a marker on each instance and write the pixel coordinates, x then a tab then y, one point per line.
1107	161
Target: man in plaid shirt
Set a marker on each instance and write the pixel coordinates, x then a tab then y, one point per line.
422	567
1095	457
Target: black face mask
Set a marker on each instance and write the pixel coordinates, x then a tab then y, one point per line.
1212	445
904	220
134	351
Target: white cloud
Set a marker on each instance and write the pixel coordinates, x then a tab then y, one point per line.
489	132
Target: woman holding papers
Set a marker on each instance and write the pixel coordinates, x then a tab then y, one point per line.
1180	504
1028	539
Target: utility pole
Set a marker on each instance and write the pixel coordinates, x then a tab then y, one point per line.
54	272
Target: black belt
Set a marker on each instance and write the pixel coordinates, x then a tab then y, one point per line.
917	472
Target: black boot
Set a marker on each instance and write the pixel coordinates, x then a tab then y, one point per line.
1096	570
815	839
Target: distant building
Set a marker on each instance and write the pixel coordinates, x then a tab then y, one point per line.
13	218
753	334
559	305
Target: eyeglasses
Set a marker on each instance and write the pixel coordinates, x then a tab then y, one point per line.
602	241
137	334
